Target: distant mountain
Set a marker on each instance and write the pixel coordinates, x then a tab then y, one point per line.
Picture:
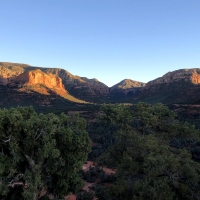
26	85
126	86
186	75
22	84
79	87
180	86
43	83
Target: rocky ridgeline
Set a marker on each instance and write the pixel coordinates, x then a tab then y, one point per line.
80	86
187	75
180	86
60	79
172	87
27	78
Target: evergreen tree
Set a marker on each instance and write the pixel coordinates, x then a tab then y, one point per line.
40	152
148	166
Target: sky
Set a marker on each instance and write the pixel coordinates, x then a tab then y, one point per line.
110	40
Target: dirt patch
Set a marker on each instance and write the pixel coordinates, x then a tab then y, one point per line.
70	197
86	166
108	171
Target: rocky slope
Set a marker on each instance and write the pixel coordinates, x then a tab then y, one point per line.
7	72
127	86
180	86
80	87
24	79
186	75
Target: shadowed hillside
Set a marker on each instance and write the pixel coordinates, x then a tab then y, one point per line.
180	86
126	87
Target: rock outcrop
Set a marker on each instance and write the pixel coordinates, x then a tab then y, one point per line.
195	78
180	86
80	87
37	77
187	75
7	73
43	83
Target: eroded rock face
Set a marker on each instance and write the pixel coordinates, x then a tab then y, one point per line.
188	75
40	82
195	78
39	77
7	74
126	86
43	83
80	86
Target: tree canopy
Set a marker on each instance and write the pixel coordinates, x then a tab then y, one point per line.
152	153
40	152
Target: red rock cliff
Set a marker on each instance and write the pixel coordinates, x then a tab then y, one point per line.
41	82
195	78
39	77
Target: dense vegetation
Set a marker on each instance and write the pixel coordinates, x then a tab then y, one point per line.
40	153
155	155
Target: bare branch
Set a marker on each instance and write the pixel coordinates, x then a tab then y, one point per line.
38	135
8	140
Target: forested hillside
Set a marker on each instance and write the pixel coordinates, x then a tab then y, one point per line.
156	156
151	153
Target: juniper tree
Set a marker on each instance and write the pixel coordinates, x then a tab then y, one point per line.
40	152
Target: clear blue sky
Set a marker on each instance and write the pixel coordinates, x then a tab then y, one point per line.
105	39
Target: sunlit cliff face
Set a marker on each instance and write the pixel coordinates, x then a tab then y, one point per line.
41	82
39	77
195	78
